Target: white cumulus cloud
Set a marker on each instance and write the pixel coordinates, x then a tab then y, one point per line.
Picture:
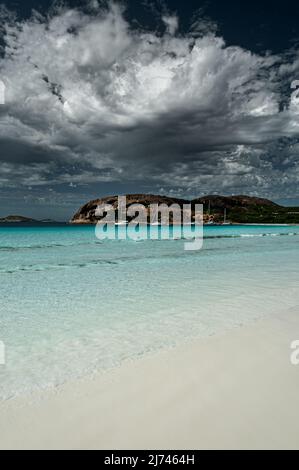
90	99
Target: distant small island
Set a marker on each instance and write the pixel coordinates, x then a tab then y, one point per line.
13	219
19	219
233	209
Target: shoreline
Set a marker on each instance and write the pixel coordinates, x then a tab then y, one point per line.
89	224
224	391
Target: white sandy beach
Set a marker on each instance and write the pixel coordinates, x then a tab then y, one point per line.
237	390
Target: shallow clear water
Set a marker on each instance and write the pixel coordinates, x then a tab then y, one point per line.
72	305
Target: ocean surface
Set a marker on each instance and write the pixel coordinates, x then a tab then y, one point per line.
72	305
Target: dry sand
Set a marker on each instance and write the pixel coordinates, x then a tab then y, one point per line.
233	391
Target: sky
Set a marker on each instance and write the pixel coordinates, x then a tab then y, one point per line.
164	97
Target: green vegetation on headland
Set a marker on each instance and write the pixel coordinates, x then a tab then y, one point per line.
217	209
248	210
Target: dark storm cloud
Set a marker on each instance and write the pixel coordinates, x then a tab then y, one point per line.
89	100
13	151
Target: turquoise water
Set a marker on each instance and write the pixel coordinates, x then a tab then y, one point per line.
72	305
